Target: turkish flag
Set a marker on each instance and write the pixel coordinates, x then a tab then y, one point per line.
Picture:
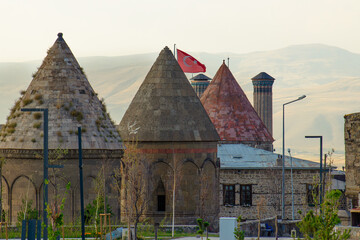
188	63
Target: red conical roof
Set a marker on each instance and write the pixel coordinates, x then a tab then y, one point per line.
231	112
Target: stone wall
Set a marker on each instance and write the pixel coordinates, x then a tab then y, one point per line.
23	179
352	156
199	177
266	185
354	231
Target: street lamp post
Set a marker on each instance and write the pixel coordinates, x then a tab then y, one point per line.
46	163
283	159
321	171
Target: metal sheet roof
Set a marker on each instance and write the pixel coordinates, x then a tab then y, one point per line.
240	156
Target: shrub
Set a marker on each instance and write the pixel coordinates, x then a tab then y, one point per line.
38	97
12	125
37	125
27	101
37	115
10	130
26	212
78	115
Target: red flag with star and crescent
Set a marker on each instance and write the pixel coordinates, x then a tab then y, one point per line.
189	64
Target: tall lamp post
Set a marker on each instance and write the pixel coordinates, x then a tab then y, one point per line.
46	163
321	171
283	159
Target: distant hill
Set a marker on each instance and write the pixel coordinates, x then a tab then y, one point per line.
329	76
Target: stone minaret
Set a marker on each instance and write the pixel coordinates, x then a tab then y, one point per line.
199	83
263	98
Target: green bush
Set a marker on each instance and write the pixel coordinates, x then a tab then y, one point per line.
90	211
26	212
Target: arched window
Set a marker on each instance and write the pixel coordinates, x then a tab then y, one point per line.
161	197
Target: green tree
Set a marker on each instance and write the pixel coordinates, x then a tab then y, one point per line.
56	216
134	197
320	225
239	234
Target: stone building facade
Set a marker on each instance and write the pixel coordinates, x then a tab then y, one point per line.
352	157
61	86
251	178
170	125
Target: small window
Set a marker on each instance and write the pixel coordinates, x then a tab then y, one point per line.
82	91
229	194
311	193
245	195
161	203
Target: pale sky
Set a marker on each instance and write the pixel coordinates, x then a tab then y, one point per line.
117	27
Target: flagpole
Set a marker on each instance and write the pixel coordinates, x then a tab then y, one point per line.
174	51
228	62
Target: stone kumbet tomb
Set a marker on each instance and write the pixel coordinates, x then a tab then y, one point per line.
235	119
171	126
61	86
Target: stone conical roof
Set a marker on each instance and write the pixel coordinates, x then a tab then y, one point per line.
231	112
166	108
61	86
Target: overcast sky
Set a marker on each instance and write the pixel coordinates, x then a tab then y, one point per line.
116	27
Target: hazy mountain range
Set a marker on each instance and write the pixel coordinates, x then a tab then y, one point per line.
329	76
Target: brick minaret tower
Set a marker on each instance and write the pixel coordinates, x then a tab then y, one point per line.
263	98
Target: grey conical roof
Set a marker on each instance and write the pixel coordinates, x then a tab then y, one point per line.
61	86
166	108
263	76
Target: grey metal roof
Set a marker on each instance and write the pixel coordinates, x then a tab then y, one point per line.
240	156
200	77
263	76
